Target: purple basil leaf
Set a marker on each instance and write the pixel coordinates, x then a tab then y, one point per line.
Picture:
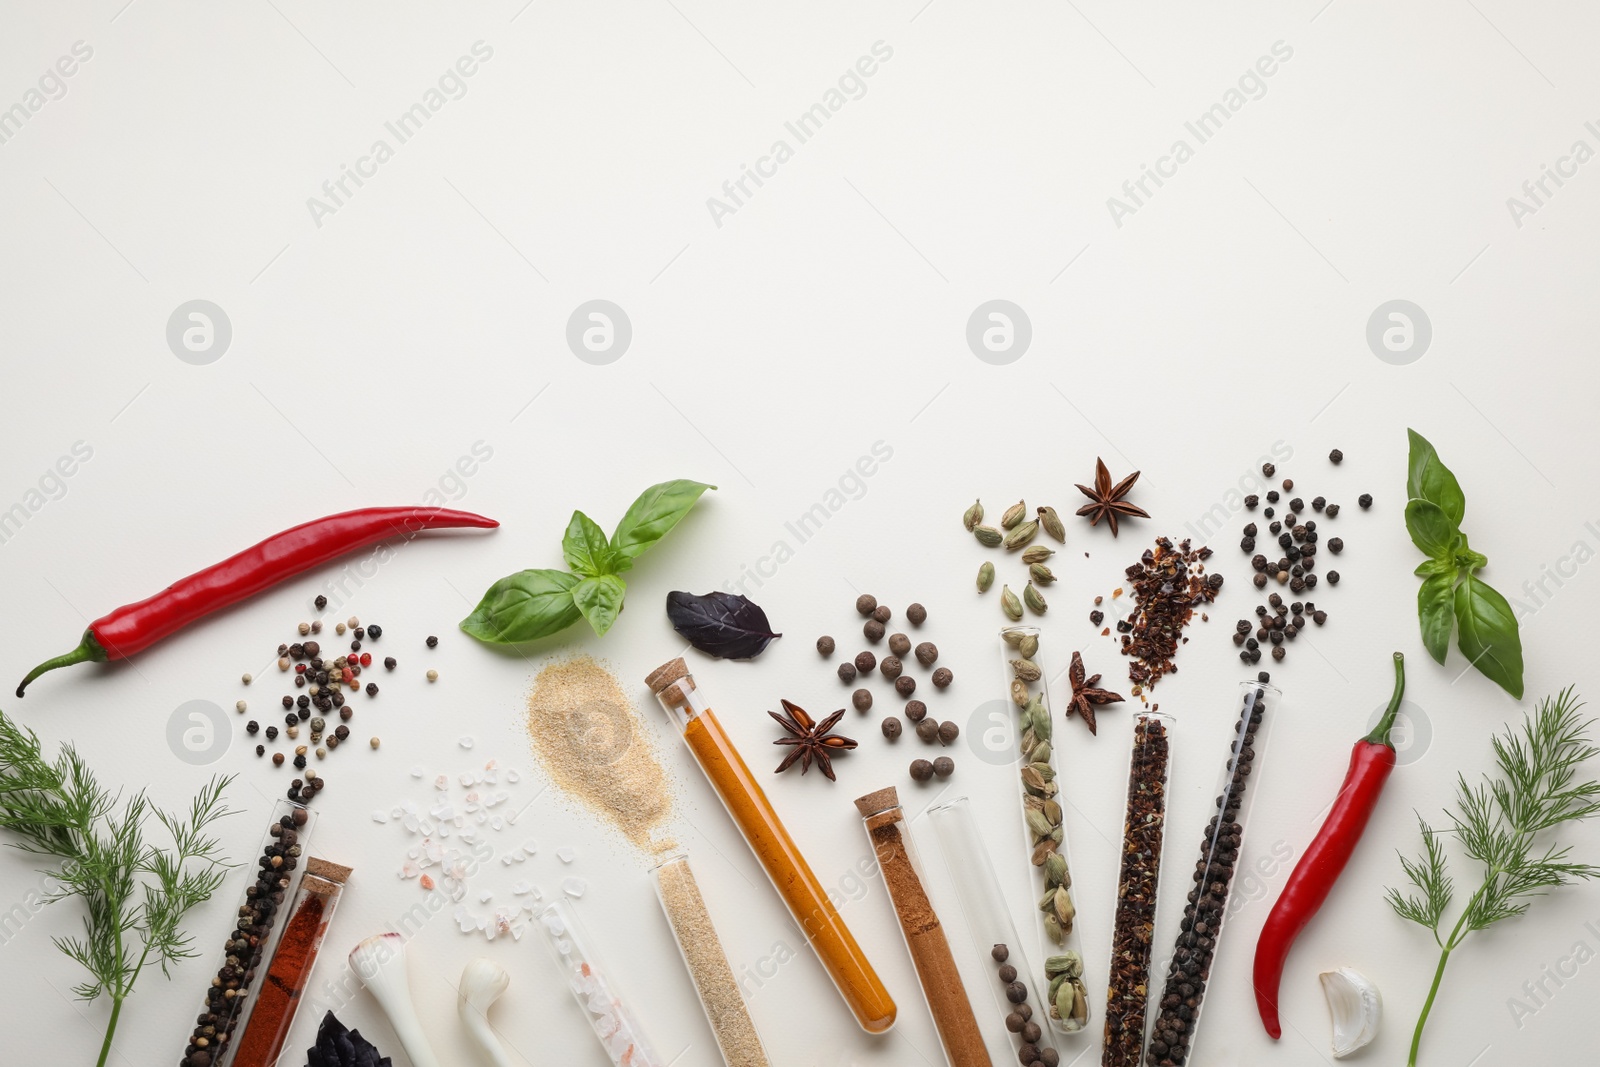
724	625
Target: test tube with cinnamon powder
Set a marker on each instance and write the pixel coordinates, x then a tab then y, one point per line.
776	851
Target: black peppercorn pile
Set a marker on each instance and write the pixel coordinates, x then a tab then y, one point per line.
1196	946
893	669
247	943
1299	541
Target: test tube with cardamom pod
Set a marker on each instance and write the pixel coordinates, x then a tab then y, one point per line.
1143	835
747	805
702	953
1199	938
994	936
1044	830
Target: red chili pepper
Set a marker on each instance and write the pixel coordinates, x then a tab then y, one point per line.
1312	879
136	627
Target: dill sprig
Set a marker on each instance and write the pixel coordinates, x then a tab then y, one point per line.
134	893
1496	823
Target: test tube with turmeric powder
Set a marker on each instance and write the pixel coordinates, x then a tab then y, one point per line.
791	876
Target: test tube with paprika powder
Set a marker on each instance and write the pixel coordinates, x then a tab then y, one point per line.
862	989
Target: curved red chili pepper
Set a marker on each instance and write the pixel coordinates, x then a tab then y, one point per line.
1312	879
135	627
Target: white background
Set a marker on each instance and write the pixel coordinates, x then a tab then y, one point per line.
1226	315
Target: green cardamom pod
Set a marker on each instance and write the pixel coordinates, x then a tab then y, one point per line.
1032	782
1013	635
1040	826
1055	868
1028	741
1034	599
1021	535
973	516
1032	803
1080	1007
1013	515
1052	524
1037	554
1040	721
1048	901
1066	911
1029	645
1066	965
1019	692
1044	770
1058	832
1061	1006
1010	604
1041	574
988	536
1041	850
1040	753
1052	927
1026	669
985	577
1052	811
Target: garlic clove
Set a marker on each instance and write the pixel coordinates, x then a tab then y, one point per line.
481	985
1355	1006
380	963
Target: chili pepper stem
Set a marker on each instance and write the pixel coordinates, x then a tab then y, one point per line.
1380	733
88	651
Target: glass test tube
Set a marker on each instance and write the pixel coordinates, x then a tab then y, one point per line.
924	935
989	920
1178	1011
1044	832
1143	834
595	989
747	805
703	955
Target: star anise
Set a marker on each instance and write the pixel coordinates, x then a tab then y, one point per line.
1085	695
811	739
1106	499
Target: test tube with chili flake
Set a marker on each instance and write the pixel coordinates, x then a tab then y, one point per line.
289	974
747	805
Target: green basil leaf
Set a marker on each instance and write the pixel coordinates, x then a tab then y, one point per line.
1430	567
1487	634
600	599
523	607
1427	478
658	509
1436	610
1431	529
586	549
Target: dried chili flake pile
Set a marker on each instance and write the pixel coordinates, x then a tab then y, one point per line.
1169	584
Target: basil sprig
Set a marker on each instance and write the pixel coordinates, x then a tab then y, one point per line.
537	603
1452	596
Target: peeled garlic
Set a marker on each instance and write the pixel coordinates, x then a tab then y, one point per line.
1355	1006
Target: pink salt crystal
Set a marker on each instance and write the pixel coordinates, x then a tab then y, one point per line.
426	882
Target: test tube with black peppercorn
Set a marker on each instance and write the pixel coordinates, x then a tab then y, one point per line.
1178	1011
245	951
1143	833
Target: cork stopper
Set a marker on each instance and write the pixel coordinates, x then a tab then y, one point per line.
879	801
327	871
666	674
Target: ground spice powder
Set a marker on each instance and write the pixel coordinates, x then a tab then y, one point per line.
708	966
590	741
925	936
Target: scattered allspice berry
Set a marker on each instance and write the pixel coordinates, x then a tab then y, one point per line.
948	732
865	661
892	728
899	644
928	730
891	667
921	770
916	710
847	673
862	699
942	677
917	614
944	766
873	630
927	653
866	604
825	646
905	685
882	613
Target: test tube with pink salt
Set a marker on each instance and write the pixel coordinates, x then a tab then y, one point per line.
594	987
